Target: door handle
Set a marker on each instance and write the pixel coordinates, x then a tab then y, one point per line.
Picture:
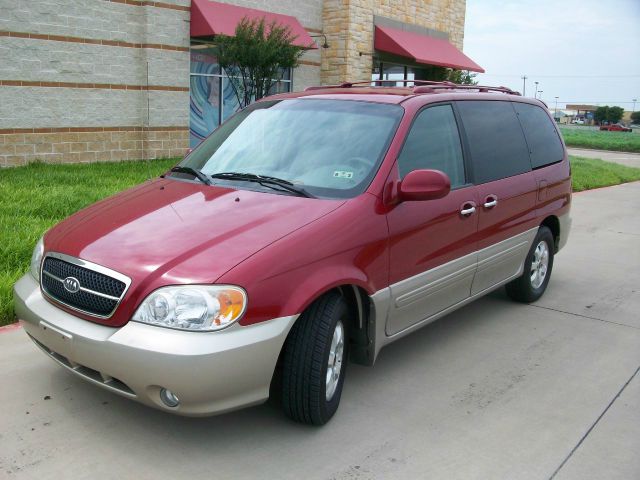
468	208
491	201
467	211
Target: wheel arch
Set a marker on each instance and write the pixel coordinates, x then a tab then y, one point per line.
553	223
355	294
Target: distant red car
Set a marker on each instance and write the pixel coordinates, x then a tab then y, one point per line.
309	229
616	127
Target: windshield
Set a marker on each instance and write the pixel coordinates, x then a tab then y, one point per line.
331	148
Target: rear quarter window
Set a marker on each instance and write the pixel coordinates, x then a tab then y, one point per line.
544	144
496	142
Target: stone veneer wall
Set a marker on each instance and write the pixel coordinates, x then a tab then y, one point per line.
349	27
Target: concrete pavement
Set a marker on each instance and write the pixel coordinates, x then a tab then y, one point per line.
623	158
497	390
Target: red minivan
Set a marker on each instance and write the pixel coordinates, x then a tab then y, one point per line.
310	229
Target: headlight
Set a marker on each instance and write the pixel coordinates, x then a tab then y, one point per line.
193	307
36	259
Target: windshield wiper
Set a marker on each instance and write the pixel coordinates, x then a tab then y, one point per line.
264	180
204	178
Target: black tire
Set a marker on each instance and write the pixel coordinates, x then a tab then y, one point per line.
305	360
522	289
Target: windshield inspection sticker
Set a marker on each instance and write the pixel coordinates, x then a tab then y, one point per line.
342	174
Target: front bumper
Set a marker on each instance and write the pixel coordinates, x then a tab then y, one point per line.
210	373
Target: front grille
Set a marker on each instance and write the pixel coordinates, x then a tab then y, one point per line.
98	294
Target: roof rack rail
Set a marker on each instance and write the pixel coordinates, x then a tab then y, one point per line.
479	88
421	86
368	83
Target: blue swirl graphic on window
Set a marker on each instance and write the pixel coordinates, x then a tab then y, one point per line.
204	103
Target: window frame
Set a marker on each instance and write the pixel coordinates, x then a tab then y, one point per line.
343	194
221	77
463	147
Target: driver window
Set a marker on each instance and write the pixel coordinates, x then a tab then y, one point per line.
434	143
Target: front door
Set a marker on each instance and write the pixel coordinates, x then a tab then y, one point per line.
432	243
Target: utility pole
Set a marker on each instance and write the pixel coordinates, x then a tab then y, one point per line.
555	110
634	104
524	85
540	94
535	95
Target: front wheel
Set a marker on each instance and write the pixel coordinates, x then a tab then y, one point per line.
314	361
530	286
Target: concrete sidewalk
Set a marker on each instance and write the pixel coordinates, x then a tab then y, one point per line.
497	390
623	158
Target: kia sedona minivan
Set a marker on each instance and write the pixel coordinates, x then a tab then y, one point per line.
309	230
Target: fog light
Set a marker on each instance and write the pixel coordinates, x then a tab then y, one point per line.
169	398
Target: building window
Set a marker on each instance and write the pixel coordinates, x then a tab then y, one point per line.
393	71
386	70
212	98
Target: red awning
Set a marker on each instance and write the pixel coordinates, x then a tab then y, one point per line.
214	18
423	49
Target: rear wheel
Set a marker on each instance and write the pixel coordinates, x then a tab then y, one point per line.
530	286
314	361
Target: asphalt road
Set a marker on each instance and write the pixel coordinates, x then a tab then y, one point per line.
624	158
497	390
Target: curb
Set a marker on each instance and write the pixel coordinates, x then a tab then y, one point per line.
596	150
10	328
602	188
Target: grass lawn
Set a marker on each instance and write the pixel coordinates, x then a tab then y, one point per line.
587	138
588	173
35	197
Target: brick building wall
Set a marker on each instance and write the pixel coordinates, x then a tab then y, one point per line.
73	80
349	26
100	80
73	77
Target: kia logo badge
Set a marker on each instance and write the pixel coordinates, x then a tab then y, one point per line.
71	284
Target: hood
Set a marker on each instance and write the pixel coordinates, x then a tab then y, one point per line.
171	232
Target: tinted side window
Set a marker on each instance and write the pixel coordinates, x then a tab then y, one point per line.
434	143
544	144
497	145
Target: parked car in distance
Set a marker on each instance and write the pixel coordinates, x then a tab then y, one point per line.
615	127
309	230
577	121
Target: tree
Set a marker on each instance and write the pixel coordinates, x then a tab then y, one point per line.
608	114
635	117
615	114
601	114
256	58
443	74
463	77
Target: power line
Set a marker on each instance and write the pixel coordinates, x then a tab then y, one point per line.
587	102
560	76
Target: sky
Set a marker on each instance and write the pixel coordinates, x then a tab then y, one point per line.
581	51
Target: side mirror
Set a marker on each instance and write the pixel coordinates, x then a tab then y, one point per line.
424	185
